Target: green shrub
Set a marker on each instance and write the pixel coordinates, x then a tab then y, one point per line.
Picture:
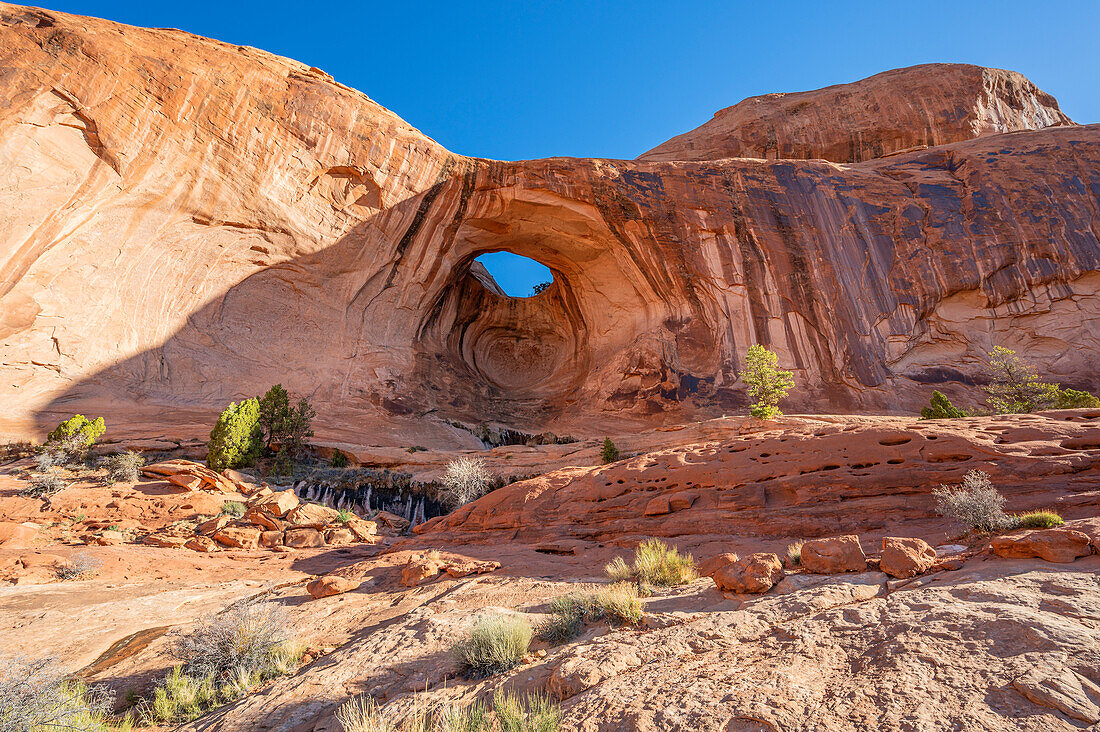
941	408
1014	386
344	515
282	423
618	604
975	504
1036	520
124	467
496	643
768	384
1073	399
233	508
78	428
339	460
237	439
535	713
655	563
224	657
609	453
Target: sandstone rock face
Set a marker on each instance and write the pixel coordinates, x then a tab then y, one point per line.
919	106
753	574
800	477
1053	545
834	555
906	557
213	199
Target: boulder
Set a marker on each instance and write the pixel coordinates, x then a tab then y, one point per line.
330	585
279	504
213	526
312	515
708	567
392	521
363	530
753	574
17	536
420	568
339	535
905	557
1053	545
238	537
261	517
186	481
467	567
271	539
201	544
106	538
167	542
301	538
834	555
657	506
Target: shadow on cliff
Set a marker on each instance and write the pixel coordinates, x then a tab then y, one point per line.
310	323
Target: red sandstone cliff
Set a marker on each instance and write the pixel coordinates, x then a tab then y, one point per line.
902	109
190	221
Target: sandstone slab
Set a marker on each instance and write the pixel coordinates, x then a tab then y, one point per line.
1053	545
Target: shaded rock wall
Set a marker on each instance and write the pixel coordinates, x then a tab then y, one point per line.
194	221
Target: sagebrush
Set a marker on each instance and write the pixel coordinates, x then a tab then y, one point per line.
465	479
35	696
976	504
124	467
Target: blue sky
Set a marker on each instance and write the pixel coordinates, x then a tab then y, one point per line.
519	80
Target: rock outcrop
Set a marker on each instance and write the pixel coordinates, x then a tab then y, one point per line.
903	109
801	478
191	221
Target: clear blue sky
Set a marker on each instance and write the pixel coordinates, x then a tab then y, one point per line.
517	80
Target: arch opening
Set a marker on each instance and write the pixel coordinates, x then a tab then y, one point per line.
516	275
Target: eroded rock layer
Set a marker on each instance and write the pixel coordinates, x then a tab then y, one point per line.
804	477
190	222
919	106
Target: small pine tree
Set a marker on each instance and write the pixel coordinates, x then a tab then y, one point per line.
78	429
299	426
941	408
275	412
767	383
237	439
1073	399
609	453
283	423
1014	386
339	459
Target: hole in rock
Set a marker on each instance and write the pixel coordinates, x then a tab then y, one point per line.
518	276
